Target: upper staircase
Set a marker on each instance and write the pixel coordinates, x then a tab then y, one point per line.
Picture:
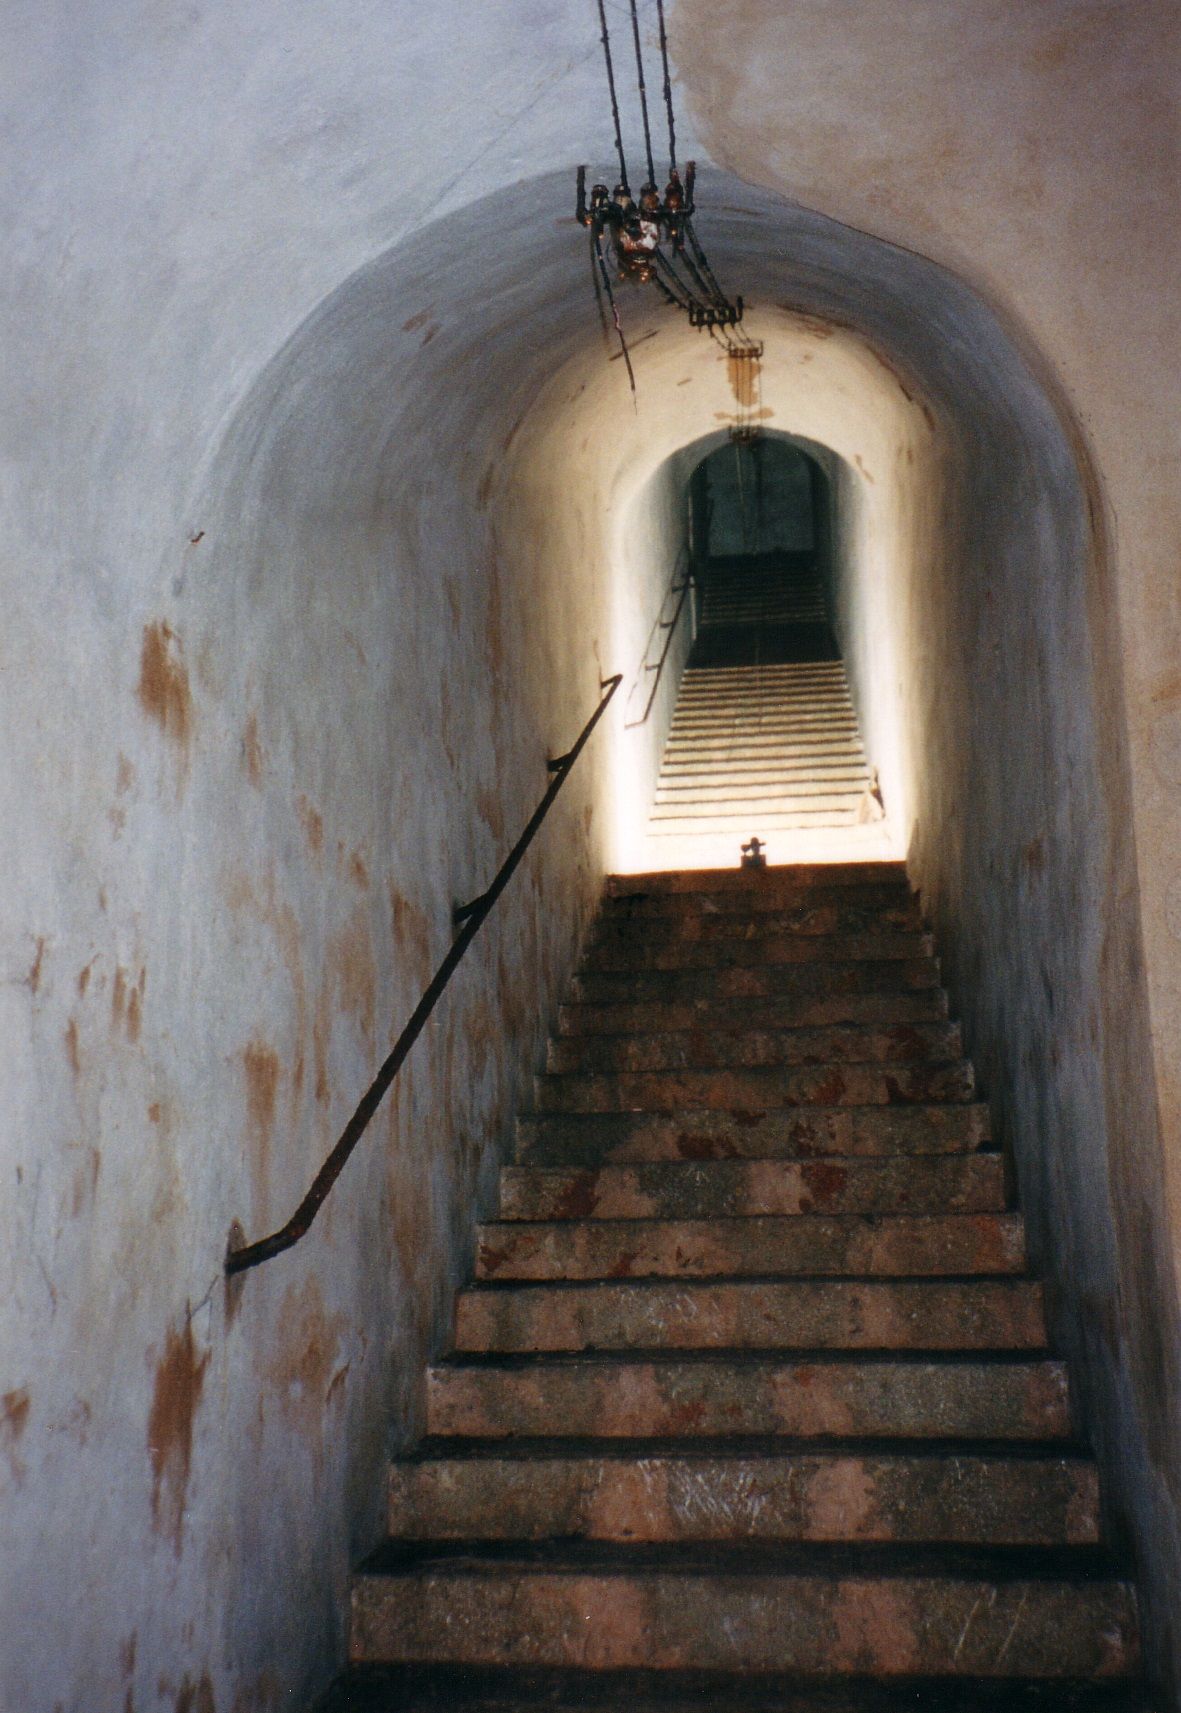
750	1402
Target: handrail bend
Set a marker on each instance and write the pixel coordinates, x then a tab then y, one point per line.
469	918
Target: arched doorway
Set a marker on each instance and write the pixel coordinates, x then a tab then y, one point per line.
761	531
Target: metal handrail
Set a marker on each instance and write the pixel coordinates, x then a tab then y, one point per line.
669	627
469	918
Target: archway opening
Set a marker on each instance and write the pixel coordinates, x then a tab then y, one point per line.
761	532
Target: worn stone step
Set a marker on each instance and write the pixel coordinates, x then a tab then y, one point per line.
839	1314
688	1189
632	898
622	1397
747	1090
889	1612
737	1017
730	798
428	1689
753	1049
822	977
777	880
809	916
636	953
671	823
736	1494
689	768
688	1133
857	1245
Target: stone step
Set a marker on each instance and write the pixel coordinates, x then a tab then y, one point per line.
812	1314
632	898
751	1091
753	1049
812	1245
736	1189
638	952
593	1140
852	1611
689	768
778	814
823	976
621	1397
466	1689
778	880
648	1492
771	823
783	793
733	1017
810	916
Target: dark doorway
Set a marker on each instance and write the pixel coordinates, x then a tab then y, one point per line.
761	538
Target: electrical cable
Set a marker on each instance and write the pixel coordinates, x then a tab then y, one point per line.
606	40
643	93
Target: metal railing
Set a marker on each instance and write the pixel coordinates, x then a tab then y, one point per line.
468	919
680	593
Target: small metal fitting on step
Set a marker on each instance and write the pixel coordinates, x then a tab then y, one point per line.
754	854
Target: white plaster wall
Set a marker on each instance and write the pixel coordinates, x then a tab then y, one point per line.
207	429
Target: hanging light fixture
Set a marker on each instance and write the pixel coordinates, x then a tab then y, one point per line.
650	239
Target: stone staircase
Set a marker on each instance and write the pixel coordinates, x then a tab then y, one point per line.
749	1404
765	749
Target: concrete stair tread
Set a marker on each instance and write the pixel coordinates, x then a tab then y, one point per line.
1028	1612
740	1492
790	1044
767	1247
852	1312
699	1134
578	1019
401	1689
829	1084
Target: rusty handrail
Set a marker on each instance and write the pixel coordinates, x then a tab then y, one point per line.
469	918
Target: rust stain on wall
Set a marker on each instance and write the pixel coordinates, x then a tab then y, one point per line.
127	1002
490	811
252	752
356	973
14	1419
305	1359
411	931
261	1064
261	1695
312	822
743	371
176	1395
196	1697
357	871
84	975
163	689
33	979
71	1036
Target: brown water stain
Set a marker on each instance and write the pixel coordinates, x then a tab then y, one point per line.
127	1002
84	1184
305	1359
163	688
357	871
491	812
196	1697
72	1054
176	1396
124	776
312	822
14	1419
743	371
355	971
261	1065
33	979
252	752
84	975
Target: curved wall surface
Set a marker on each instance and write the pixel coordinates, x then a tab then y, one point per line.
324	523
